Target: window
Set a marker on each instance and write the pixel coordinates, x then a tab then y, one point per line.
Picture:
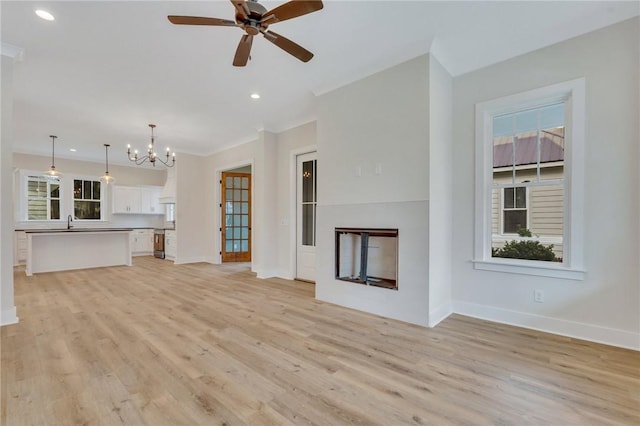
43	198
514	210
87	199
529	181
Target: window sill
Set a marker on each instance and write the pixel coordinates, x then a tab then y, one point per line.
524	267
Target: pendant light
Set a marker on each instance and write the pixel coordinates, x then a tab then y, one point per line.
107	178
52	172
151	156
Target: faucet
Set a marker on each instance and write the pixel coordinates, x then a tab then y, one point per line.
69	220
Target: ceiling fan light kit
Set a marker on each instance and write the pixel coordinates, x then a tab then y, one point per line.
151	156
255	19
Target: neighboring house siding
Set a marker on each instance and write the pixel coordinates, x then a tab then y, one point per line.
544	204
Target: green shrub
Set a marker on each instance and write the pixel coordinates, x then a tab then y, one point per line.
530	250
524	232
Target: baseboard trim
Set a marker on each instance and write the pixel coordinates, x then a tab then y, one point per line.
8	317
266	273
440	314
185	260
592	333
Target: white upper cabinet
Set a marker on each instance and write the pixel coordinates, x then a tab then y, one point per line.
149	198
136	200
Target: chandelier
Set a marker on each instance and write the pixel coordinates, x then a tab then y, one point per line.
151	155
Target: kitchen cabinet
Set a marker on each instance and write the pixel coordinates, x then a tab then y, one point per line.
150	200
19	248
141	242
136	200
170	243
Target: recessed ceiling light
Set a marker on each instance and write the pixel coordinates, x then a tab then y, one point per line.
45	15
72	149
255	96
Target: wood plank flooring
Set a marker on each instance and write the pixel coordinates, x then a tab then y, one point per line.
161	344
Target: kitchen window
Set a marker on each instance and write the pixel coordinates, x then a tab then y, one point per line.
530	169
87	199
43	198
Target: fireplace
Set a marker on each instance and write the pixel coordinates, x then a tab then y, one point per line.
367	256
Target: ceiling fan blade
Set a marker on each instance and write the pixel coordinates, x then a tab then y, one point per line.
243	50
291	9
288	46
241	8
197	20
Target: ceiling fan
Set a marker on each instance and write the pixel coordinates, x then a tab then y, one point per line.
254	19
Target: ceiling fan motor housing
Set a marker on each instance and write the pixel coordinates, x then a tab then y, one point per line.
251	23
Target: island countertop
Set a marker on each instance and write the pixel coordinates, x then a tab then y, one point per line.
49	231
63	249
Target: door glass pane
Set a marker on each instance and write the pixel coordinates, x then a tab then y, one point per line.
229	182
236	220
228	232
229	246
244	245
245	183
307	224
245	233
236	182
236	233
307	182
245	194
228	208
244	208
245	220
236	195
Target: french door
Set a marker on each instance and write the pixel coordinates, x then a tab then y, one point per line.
306	200
236	217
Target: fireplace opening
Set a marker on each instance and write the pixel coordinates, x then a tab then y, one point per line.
367	256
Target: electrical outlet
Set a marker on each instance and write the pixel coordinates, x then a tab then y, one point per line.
538	296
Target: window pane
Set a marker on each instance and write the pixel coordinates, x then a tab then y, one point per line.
229	182
514	220
37	209
77	188
508	198
55	209
245	183
86	189
236	182
54	190
521	198
96	190
86	209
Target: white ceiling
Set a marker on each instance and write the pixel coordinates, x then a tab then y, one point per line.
102	71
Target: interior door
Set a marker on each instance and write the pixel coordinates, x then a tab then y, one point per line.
306	201
236	217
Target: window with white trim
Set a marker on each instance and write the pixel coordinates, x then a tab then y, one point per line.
529	182
43	197
87	199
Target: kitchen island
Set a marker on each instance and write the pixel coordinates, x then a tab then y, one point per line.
51	250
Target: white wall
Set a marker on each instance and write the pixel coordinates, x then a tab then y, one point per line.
7	308
127	176
192	202
606	305
373	157
440	191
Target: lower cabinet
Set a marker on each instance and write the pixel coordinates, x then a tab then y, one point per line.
141	242
19	248
170	244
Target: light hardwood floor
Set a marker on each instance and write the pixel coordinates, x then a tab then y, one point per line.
161	344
